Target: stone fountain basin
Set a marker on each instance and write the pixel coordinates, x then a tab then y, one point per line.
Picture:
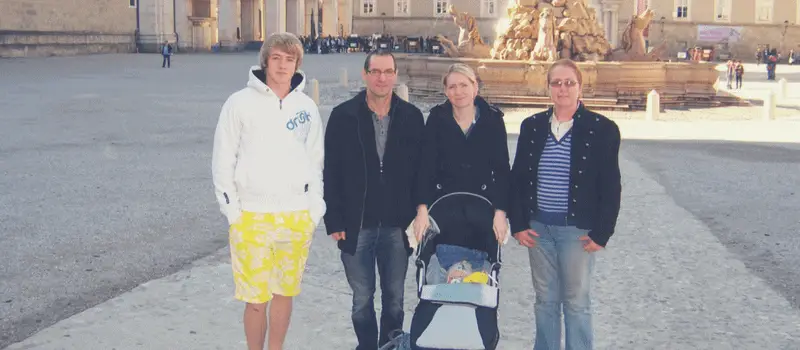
615	85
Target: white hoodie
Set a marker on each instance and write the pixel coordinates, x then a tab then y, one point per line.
268	152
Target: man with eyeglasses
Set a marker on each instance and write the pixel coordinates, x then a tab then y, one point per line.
372	148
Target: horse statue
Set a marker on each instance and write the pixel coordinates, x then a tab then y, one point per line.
545	49
470	43
633	46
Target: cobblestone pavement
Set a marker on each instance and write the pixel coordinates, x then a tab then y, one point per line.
112	239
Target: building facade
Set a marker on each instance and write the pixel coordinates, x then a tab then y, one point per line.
52	27
203	25
49	27
733	28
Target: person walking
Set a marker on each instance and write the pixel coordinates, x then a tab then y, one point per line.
739	74
267	170
166	53
565	190
372	145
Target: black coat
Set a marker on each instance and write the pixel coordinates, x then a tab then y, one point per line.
352	167
595	184
453	162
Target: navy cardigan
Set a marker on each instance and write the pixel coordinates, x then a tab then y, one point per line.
595	184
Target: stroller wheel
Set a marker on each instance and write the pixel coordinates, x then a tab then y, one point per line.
399	341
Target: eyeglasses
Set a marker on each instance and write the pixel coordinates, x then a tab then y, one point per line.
378	72
558	83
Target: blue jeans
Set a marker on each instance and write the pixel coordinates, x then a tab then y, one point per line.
561	272
385	248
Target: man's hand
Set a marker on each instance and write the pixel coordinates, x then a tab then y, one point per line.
589	245
525	237
338	236
500	226
421	222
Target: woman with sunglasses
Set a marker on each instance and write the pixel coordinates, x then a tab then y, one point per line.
565	199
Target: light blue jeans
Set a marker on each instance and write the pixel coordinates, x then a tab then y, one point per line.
561	272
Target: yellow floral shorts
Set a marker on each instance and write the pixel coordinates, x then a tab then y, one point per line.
269	254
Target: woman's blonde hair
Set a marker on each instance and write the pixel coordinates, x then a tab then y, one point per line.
286	42
462	69
566	62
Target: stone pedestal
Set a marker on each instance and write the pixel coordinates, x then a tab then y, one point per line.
769	106
653	108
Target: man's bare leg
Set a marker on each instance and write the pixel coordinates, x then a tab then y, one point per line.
280	312
255	325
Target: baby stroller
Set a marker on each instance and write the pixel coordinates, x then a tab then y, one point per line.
454	315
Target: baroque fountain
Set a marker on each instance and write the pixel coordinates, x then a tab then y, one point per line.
537	33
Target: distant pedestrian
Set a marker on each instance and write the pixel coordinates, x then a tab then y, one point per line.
731	66
166	53
267	170
739	74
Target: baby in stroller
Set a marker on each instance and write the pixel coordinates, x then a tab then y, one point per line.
459	298
460	265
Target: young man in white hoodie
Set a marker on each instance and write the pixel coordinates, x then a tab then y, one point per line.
267	169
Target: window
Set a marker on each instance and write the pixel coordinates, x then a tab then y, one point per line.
682	9
488	8
764	9
401	8
722	11
201	8
440	7
132	3
368	7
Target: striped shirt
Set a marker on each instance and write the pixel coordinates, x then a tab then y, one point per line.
554	167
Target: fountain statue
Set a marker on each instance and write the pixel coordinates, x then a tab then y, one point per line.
470	43
534	35
633	45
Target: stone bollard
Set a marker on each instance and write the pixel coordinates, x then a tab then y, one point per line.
343	77
402	91
653	106
782	88
769	106
315	91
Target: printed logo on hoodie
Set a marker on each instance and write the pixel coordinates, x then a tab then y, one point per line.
299	124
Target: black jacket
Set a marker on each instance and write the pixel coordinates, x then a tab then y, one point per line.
352	167
475	163
595	184
453	162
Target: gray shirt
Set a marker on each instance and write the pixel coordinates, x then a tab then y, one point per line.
381	133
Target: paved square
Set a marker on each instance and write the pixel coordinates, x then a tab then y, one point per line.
107	206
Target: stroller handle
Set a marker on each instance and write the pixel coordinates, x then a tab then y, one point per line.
433	230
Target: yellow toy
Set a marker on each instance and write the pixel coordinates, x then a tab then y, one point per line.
477	277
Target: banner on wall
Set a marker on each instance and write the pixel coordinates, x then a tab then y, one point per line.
718	34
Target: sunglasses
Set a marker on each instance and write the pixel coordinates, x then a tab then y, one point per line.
559	83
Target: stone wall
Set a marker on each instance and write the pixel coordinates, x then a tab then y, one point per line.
52	27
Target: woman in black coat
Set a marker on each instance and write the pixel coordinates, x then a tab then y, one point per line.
465	150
